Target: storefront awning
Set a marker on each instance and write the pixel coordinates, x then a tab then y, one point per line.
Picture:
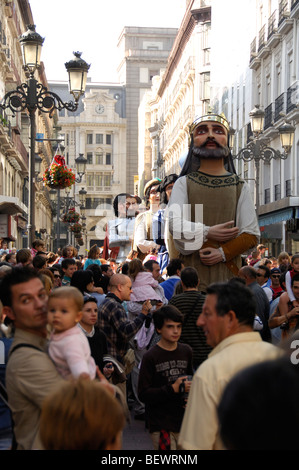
276	217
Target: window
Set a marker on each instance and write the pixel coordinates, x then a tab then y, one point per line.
108	139
89	158
89	180
288	188
153	73
277	192
99	159
267	196
107	180
98	203
89	139
99	138
108	158
205	86
207	56
98	179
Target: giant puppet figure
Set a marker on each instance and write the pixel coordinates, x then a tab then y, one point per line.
211	214
120	231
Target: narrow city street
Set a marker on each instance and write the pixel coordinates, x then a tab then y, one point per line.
136	436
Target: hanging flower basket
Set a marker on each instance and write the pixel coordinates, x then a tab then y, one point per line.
76	228
80	242
78	235
70	217
58	175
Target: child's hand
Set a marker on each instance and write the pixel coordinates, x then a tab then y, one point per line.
105	382
159	305
146	307
177	383
295	303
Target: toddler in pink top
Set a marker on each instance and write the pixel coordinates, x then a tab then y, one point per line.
69	348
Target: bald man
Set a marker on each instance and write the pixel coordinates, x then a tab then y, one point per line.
113	318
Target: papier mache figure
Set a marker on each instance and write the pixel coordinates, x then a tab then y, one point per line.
211	215
143	243
165	189
121	229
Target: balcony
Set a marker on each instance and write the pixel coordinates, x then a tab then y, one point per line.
98	167
99	189
269	116
293	101
292	97
280	104
273	36
255	61
284	22
283	11
294	8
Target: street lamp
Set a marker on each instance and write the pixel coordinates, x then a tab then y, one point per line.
64	203
82	196
32	95
258	150
80	166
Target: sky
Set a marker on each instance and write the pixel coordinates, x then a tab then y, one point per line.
93	28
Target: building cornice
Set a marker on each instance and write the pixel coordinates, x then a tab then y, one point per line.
26	12
89	124
190	20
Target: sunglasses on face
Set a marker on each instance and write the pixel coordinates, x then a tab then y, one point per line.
275	275
260	275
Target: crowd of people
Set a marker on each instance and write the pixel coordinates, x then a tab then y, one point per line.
184	335
149	334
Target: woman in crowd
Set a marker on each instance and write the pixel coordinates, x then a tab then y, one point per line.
84	281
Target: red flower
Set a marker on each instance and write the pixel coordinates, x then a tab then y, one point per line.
58	176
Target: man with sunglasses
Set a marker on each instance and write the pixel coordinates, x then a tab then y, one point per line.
263	275
275	283
57	276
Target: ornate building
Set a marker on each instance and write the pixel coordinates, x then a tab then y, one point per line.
180	93
98	131
15	15
270	81
144	53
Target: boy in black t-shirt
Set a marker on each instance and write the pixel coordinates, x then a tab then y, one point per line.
164	379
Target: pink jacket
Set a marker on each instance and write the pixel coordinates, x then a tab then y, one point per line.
70	352
144	288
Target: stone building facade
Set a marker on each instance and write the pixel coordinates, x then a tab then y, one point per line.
15	15
178	94
98	131
144	53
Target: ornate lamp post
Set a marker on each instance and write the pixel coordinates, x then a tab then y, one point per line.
257	150
56	198
32	95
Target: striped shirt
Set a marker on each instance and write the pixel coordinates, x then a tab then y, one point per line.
113	321
190	304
